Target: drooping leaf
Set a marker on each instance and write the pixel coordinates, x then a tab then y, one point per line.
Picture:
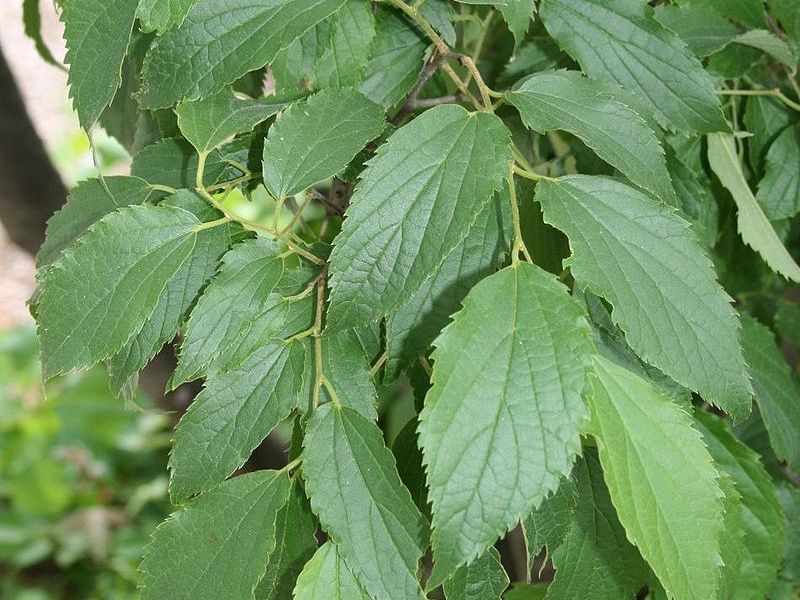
295	544
173	163
210	442
216	546
32	21
352	37
762	518
595	560
505	406
220	42
771	44
294	67
412	207
483	579
642	258
731	539
753	225
621	41
86	204
209	122
779	191
327	577
354	488
776	392
652	461
548	524
518	14
101	291
409	464
97	33
348	370
440	14
316	139
588	109
695	201
703	29
749	12
765	118
160	15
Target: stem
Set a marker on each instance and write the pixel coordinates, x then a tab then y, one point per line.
486	93
519	243
319	376
479	43
163	188
531	175
378	363
292	464
776	93
460	85
232	182
211	224
276	214
201	168
413	12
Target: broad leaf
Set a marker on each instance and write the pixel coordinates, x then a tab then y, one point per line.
97	33
505	406
762	517
210	442
316	139
695	201
589	110
327	577
595	559
86	204
160	15
549	523
771	44
620	40
209	122
348	370
412	207
653	460
99	294
216	546
354	488
753	225
173	163
644	260
776	392
704	30
220	42
765	118
352	37
483	579
779	190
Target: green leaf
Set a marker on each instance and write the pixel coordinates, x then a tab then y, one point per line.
762	517
99	294
595	560
176	298
97	33
731	539
86	204
703	29
779	190
354	488
589	110
620	40
765	117
776	392
787	322
416	201
160	15
749	12
695	201
549	524
327	577
440	14
294	67
483	579
352	37
316	139
210	442
395	63
412	328
409	464
771	44
348	370
216	546
246	280
505	406
295	544
653	461
642	258
753	225
789	497
221	41
208	123
518	14
173	163
32	21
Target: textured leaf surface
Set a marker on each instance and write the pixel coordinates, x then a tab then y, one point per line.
354	488
549	523
86	204
518	14
100	292
209	122
653	460
703	29
221	41
620	40
327	577
216	546
695	201
595	561
317	138
588	109
765	118
160	15
753	225
348	369
234	413
352	37
776	392
505	406
416	201
97	33
771	44
762	517
642	258
412	328
779	190
483	579
173	162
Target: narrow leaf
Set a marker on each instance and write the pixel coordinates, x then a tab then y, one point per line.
779	190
